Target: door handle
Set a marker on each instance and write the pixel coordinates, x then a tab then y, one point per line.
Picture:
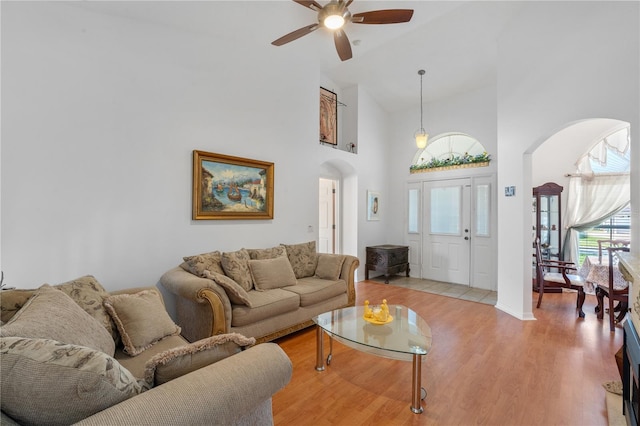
466	238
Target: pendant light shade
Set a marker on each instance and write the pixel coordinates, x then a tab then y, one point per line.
421	136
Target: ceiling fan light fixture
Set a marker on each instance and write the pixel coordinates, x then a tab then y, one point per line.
421	136
333	22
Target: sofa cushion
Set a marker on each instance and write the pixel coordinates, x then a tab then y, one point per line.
314	290
203	262
58	383
329	266
234	291
136	364
181	360
303	258
141	319
273	273
236	267
51	314
266	304
268	253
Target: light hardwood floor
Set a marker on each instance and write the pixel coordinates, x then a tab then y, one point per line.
486	367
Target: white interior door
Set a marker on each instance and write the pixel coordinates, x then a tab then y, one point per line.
447	222
327	216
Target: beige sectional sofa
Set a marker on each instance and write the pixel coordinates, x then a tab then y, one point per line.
261	293
74	353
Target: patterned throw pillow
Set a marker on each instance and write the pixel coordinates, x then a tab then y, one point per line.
141	318
85	291
268	253
203	262
179	361
235	292
51	314
236	267
57	383
303	258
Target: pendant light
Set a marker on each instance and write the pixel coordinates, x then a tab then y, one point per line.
421	135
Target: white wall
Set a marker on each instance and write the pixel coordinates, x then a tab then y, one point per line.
583	64
100	117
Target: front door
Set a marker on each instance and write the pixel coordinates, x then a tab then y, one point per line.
446	243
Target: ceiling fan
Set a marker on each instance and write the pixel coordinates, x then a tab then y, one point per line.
335	14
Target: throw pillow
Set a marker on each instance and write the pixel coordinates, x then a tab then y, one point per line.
141	318
329	266
85	291
235	265
179	361
272	273
235	293
203	262
303	258
268	253
49	382
51	314
89	294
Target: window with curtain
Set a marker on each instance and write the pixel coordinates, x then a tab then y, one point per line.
599	193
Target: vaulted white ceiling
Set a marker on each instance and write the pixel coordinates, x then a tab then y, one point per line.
454	41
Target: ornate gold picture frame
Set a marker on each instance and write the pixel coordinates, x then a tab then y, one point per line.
226	187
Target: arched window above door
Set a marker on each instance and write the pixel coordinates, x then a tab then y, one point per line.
449	145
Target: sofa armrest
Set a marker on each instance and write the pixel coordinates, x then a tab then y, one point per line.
202	306
348	274
220	393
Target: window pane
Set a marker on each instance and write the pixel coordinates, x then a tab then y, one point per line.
445	210
413	211
483	214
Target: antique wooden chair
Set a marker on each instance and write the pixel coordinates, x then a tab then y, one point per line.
563	278
604	244
614	292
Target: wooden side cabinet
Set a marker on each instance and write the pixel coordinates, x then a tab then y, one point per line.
388	259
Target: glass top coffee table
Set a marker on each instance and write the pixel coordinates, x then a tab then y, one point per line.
406	338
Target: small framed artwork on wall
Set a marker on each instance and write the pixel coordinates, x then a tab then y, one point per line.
373	205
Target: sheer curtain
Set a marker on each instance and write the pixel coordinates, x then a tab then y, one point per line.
591	200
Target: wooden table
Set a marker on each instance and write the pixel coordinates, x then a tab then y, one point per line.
388	259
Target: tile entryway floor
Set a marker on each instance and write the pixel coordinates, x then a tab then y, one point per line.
444	289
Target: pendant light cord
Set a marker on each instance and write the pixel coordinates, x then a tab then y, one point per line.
421	72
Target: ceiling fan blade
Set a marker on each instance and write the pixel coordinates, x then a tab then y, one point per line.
294	35
342	45
389	16
315	6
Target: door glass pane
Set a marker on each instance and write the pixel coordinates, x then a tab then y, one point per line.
483	215
445	210
413	211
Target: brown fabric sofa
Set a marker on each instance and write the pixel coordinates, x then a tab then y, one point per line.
260	293
66	357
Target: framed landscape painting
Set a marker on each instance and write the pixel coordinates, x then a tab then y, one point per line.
226	187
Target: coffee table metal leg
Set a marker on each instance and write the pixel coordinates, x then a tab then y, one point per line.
319	355
416	392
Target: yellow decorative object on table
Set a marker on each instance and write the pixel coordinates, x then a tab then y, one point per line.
379	315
